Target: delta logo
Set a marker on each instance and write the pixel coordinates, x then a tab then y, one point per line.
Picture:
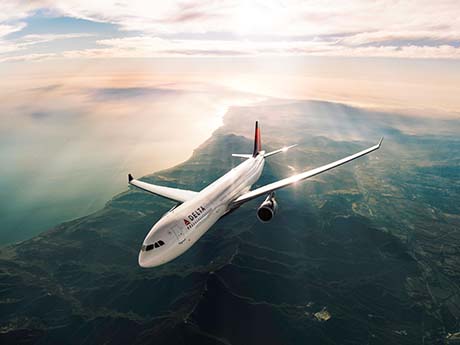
194	217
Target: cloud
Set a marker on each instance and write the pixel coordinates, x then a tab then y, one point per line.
43	38
293	17
6	29
47	88
251	28
411	51
38	115
27	41
150	47
123	93
389	37
14	10
29	57
146	47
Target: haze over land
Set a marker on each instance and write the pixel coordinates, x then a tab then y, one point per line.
68	145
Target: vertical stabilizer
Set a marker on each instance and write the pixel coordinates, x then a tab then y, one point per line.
257	141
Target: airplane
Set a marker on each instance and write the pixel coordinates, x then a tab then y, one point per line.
196	212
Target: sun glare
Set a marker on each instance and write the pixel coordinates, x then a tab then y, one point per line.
254	18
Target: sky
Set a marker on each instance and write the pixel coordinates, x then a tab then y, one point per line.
92	90
398	55
41	29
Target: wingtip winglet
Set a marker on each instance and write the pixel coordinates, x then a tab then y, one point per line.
130	177
380	142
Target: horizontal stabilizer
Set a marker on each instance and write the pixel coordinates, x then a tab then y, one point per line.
179	195
241	155
283	149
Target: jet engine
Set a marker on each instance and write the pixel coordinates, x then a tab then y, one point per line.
267	209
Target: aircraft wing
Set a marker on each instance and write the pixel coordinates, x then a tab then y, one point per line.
180	195
302	176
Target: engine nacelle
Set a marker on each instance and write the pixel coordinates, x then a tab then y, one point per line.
267	209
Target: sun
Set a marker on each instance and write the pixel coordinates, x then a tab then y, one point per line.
254	18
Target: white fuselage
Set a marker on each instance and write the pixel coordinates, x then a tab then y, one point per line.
181	227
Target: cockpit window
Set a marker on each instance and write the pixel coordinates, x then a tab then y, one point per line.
148	247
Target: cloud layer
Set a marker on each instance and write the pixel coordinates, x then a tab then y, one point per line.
384	28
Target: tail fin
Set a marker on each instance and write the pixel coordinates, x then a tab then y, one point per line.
257	141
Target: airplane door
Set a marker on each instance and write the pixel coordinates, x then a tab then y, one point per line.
179	232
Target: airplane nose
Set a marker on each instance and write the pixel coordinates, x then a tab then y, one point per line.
143	262
155	249
147	260
153	258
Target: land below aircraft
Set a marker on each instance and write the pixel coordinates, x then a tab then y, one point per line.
196	212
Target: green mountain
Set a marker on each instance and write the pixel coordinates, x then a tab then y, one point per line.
365	254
